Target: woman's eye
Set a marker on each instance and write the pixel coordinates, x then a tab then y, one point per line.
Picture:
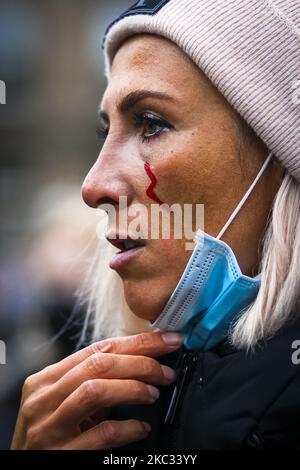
151	127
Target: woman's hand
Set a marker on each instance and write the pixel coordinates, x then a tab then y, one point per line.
67	405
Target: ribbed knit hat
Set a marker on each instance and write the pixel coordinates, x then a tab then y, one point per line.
249	49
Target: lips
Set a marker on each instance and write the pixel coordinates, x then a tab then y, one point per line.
129	249
125	243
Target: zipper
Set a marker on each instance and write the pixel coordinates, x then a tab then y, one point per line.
186	367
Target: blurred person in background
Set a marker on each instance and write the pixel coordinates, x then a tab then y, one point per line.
200	106
50	64
37	292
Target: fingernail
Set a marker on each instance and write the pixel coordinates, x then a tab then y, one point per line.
154	392
172	339
169	373
146	426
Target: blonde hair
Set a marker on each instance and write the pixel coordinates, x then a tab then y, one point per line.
278	300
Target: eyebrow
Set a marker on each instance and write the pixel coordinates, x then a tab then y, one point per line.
133	98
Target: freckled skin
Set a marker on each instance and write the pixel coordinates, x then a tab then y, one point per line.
199	161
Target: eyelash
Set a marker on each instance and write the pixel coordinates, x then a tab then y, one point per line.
142	120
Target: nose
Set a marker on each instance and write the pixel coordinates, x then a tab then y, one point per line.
105	184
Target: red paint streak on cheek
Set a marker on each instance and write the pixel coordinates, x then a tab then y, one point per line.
150	191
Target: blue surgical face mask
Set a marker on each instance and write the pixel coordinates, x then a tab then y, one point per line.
212	290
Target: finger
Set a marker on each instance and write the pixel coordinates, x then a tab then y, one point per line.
99	394
144	344
110	434
113	366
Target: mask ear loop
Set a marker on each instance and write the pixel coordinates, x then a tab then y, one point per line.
244	199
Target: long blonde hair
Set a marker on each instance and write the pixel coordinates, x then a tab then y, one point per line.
278	300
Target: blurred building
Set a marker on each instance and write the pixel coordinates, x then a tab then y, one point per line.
51	62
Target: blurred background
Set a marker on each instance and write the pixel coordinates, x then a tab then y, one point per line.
51	61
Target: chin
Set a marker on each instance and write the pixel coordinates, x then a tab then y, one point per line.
144	300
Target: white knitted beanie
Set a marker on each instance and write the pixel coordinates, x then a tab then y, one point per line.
250	50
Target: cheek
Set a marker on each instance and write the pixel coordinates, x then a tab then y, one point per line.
176	178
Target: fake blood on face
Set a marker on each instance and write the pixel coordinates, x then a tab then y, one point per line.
150	191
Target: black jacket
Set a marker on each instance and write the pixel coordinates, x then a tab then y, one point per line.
226	399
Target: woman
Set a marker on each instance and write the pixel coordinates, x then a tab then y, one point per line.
200	107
